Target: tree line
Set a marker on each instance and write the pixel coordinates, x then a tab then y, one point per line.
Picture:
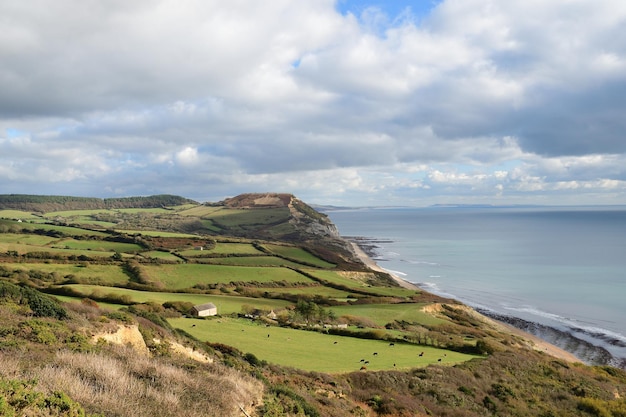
49	203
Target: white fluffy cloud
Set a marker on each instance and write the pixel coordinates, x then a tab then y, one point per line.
475	100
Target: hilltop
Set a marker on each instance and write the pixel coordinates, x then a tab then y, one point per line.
96	312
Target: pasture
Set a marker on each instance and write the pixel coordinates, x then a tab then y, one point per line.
225	304
314	351
97	245
52	228
82	272
239	218
382	314
17	214
157	254
182	276
225	248
155	233
248	261
298	255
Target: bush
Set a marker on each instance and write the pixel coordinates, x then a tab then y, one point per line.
40	304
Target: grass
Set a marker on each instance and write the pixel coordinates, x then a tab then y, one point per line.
199	211
382	314
156	233
250	261
88	273
26	239
77	213
16	214
157	254
97	245
66	230
240	217
187	275
299	255
225	304
311	291
313	351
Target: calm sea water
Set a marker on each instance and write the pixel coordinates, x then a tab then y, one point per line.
559	273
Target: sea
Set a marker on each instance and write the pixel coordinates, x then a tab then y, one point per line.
556	272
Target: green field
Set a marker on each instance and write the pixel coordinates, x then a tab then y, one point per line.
76	213
299	255
44	227
187	275
225	304
17	214
88	273
309	291
97	245
382	314
156	233
249	261
157	254
222	248
26	239
313	351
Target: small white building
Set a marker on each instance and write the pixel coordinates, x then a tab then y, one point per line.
204	310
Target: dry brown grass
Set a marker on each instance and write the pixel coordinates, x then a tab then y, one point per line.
127	384
122	383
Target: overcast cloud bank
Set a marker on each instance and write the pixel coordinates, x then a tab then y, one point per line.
474	101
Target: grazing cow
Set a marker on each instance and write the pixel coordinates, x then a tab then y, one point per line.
375	353
439	360
193	325
334	343
363	368
422	354
362	360
366	362
392	344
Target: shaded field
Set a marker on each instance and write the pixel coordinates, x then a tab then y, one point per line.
187	275
314	351
156	233
249	261
225	304
88	273
310	291
157	254
65	230
299	255
26	239
97	245
17	214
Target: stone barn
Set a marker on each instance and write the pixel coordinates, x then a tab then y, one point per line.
204	310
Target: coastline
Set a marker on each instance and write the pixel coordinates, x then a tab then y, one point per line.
531	340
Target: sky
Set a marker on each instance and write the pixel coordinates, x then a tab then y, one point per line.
344	102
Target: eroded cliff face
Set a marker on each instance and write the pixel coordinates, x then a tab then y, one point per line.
310	221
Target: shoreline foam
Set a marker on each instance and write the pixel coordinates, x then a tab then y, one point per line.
538	343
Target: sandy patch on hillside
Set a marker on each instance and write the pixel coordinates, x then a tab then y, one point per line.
188	352
128	335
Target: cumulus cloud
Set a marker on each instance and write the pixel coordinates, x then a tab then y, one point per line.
472	99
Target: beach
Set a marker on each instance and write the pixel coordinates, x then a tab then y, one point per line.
531	340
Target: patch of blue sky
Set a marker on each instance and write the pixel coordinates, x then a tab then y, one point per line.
392	8
14	133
